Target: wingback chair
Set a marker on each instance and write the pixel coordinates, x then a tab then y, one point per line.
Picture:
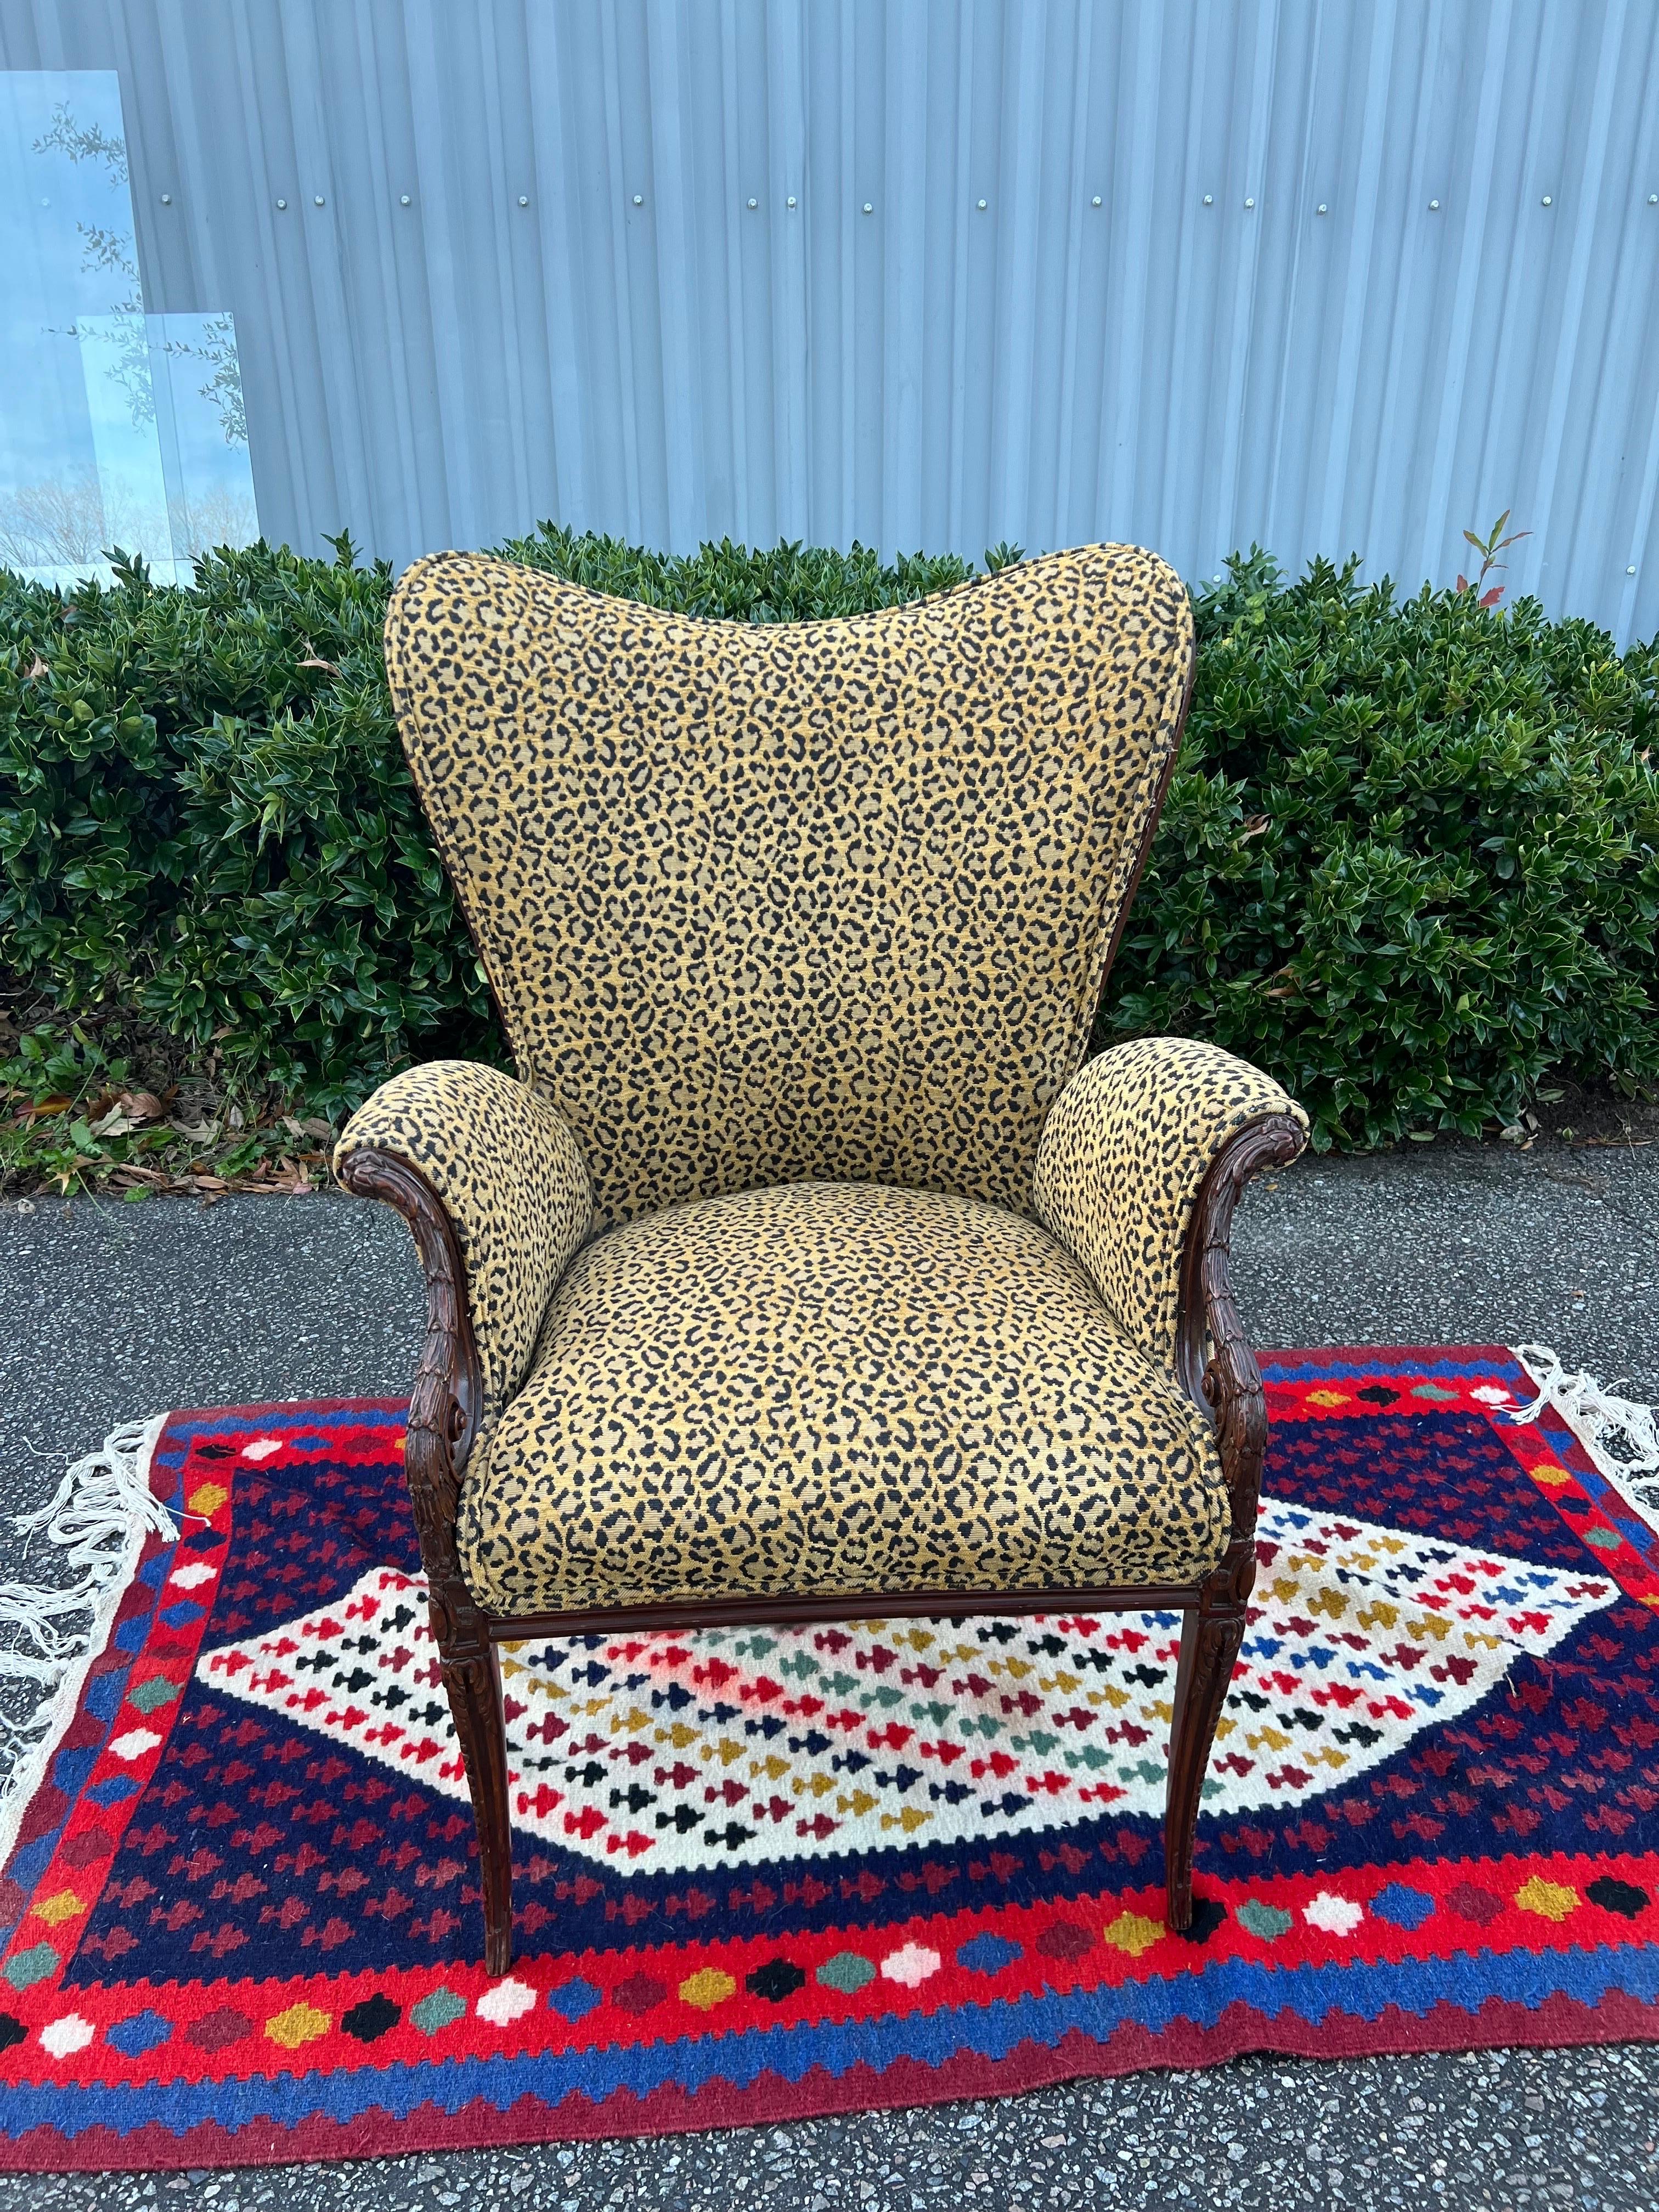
807	1272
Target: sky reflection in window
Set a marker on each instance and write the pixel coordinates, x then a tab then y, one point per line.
117	428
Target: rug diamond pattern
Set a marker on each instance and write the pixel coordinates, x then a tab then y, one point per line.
692	1753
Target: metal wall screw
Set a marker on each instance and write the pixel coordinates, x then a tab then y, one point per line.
754	204
791	200
1653	199
1096	199
639	199
982	207
1433	206
869	207
1630	572
403	202
167	199
1322	209
1209	199
1249	203
1545	201
281	204
523	200
318	201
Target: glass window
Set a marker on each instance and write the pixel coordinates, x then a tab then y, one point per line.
119	428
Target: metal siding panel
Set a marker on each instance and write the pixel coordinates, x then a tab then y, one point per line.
1573	377
1079	209
1244	228
1402	288
670	126
747	176
903	100
786	179
394	290
568	495
1526	288
868	184
1362	249
1625	433
987	172
931	374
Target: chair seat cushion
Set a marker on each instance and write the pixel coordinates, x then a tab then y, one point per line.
834	1388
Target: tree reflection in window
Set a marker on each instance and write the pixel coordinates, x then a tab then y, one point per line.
123	430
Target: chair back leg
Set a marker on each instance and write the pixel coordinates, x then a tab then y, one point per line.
474	1684
1211	1634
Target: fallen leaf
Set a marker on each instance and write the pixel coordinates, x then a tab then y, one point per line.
315	1125
115	1123
44	1109
33	674
199	1132
141	1106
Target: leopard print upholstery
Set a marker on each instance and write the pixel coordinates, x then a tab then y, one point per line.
835	1388
512	1179
1123	1153
797	933
764	904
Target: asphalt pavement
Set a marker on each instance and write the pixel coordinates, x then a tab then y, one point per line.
109	1311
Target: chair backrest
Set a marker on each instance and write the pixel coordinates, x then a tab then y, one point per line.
808	902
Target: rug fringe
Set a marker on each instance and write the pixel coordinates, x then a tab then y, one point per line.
1596	1417
103	1510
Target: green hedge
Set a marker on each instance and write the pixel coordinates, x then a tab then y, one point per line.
1409	861
1410	858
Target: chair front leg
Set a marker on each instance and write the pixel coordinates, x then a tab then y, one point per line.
474	1685
1229	1385
1211	1634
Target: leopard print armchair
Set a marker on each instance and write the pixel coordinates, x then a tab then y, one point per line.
804	1270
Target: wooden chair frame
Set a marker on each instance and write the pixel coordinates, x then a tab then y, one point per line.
1214	1365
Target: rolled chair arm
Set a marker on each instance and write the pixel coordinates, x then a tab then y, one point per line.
510	1176
1124	1154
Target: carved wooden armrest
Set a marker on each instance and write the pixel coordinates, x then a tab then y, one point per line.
514	1195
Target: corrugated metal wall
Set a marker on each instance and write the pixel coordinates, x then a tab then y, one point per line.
1329	273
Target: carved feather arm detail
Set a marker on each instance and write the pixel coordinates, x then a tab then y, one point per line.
508	1173
1141	1161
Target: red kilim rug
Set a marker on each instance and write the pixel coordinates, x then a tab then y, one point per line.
769	1874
